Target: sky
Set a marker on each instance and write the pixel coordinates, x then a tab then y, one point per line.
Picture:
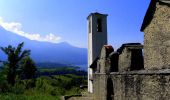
66	20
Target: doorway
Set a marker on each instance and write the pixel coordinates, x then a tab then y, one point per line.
110	90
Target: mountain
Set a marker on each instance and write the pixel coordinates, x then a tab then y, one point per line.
41	52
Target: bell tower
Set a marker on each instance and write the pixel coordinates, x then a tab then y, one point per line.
97	37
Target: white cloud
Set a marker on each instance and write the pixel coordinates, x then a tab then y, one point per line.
17	29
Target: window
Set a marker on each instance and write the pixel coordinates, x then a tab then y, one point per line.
136	59
99	25
89	26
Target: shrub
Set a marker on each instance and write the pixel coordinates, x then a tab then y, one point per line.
43	84
4	86
18	88
58	91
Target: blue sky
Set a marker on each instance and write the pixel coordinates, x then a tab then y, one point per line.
65	20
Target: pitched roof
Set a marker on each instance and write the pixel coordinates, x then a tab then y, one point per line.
119	50
151	11
109	49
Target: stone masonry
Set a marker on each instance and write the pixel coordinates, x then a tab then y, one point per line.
156	27
136	72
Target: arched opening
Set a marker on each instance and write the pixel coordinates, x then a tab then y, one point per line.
110	91
99	25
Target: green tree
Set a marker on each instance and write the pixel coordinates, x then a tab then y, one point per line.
28	67
15	55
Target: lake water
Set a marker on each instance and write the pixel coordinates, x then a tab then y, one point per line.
82	67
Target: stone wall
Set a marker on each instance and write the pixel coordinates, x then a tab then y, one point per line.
135	85
157	39
131	81
100	82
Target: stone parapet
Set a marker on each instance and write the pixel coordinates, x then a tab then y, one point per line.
134	85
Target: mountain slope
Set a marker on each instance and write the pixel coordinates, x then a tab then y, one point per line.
63	53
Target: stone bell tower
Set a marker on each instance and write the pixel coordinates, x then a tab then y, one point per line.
97	37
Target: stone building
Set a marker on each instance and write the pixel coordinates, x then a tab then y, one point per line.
156	28
135	71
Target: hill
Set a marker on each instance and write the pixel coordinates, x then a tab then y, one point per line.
62	53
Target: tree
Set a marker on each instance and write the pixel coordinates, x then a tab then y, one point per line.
14	55
28	67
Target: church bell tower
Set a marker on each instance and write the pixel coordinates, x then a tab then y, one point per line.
97	37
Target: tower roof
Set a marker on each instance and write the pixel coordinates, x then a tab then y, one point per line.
151	11
96	13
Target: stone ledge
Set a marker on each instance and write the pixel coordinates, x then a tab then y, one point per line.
67	97
141	72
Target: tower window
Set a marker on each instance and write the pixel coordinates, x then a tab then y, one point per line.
89	26
99	25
